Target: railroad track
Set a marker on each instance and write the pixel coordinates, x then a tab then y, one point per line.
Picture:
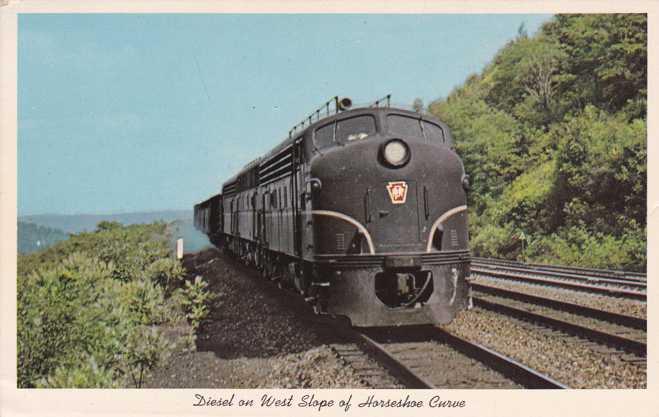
586	272
621	332
614	282
429	357
625	288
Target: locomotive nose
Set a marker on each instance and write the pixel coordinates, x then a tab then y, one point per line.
393	203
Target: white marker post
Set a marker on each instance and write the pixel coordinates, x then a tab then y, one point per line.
179	249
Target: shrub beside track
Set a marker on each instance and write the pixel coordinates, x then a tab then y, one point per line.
91	308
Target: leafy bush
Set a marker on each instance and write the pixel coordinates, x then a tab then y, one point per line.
62	311
146	349
576	246
195	301
86	374
88	306
144	300
166	272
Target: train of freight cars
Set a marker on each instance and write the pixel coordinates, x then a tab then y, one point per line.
360	210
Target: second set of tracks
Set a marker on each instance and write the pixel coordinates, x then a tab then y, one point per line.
622	284
618	331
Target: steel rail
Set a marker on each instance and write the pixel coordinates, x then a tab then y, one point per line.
398	370
621	319
613	340
516	371
508	367
607	272
615	292
602	273
577	277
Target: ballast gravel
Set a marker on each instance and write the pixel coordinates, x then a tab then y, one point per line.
316	368
572	361
635	308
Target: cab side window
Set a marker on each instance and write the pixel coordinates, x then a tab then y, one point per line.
324	136
433	133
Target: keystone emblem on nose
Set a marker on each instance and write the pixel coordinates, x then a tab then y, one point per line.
397	192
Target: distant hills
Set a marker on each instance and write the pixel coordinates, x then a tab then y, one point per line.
35	230
76	223
32	237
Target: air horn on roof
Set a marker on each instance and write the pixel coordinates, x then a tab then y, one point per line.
343	104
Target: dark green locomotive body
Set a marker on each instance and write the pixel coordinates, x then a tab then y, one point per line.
363	212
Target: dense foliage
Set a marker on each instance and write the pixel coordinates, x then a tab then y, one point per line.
91	308
553	134
32	237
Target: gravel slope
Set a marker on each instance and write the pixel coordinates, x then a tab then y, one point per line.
256	336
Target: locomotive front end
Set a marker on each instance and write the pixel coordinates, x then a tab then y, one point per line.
389	218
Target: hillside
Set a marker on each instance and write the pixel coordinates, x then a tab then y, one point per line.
76	223
32	237
553	133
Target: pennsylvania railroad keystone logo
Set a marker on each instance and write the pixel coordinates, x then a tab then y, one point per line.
397	192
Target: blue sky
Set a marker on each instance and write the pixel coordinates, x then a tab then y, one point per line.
122	113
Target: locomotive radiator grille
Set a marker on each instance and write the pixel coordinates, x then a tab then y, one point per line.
340	242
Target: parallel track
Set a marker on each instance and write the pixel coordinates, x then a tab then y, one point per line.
618	340
619	282
561	283
585	272
621	319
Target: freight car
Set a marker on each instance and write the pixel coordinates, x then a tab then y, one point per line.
362	211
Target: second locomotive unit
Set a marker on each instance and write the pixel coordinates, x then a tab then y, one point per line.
362	211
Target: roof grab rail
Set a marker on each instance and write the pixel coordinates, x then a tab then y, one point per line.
339	105
379	101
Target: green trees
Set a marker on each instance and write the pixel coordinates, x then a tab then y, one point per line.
553	133
606	61
89	308
524	80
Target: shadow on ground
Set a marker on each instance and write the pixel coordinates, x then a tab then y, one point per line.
251	317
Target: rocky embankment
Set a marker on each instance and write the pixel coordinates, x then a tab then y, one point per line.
256	336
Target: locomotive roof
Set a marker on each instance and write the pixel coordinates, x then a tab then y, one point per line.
208	200
304	133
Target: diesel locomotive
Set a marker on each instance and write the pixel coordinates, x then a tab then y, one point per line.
360	210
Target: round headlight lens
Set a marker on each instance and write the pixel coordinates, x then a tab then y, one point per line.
395	152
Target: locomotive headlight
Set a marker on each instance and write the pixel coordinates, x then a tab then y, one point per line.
396	152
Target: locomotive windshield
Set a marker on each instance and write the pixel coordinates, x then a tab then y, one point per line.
355	128
347	130
406	126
